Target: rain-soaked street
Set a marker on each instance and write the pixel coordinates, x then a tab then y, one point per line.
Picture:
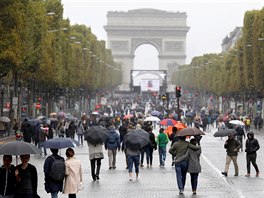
160	182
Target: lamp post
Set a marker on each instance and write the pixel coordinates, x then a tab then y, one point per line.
11	115
2	97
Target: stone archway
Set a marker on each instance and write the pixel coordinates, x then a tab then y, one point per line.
166	31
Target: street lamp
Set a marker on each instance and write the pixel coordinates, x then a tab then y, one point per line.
11	116
2	97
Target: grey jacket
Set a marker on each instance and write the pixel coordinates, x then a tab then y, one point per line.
95	151
193	157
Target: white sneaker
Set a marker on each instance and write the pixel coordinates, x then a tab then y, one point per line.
138	177
130	178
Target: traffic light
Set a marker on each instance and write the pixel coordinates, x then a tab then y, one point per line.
163	97
178	92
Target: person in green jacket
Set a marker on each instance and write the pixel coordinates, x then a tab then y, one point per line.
162	141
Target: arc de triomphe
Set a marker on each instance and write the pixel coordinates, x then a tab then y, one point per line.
166	31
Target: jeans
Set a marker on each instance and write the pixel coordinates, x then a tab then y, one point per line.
149	152
252	158
54	194
80	139
240	139
181	171
133	160
142	153
41	145
194	180
162	156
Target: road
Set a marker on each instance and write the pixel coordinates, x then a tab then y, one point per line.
160	182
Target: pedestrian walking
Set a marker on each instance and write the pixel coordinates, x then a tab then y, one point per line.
194	166
247	124
221	125
16	126
26	179
123	131
61	128
42	137
232	147
151	146
80	133
179	149
71	130
7	178
112	144
133	156
73	171
26	132
162	141
240	135
252	146
51	186
173	138
95	155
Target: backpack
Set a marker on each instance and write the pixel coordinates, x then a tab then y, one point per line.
111	139
57	169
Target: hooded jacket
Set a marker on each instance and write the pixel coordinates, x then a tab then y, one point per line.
113	141
252	144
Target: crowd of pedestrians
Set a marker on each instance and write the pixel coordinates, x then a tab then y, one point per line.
185	154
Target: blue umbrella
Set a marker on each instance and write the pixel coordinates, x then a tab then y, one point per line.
155	113
60	142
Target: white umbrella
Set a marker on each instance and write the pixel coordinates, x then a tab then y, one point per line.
4	119
237	122
152	118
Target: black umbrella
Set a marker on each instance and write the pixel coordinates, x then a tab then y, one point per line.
18	148
96	134
59	143
190	131
34	122
225	132
136	139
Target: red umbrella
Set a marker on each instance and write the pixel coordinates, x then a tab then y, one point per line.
127	116
168	122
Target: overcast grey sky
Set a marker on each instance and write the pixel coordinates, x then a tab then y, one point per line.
209	20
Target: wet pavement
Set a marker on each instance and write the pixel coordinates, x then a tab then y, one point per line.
161	182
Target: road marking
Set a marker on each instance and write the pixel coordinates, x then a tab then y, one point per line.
226	180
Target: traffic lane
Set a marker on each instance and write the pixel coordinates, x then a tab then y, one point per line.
215	154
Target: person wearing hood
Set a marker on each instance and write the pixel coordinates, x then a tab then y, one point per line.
112	143
252	145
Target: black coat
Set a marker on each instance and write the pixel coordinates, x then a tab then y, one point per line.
10	188
252	144
51	185
33	175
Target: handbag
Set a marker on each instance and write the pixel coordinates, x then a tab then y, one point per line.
80	186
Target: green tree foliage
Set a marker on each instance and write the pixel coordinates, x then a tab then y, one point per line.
36	41
237	71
